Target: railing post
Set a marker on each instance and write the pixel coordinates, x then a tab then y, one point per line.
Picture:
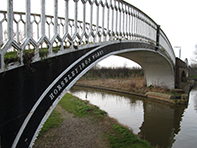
112	24
97	23
76	15
91	19
103	23
116	8
157	37
43	19
108	18
120	19
10	19
28	23
1	35
84	18
66	16
55	16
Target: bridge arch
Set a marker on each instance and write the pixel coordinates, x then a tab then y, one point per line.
183	76
29	92
47	96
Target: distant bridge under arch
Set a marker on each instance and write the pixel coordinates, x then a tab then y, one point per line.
31	84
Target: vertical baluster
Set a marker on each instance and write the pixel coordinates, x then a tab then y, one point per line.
27	28
1	35
147	35
38	31
56	21
84	17
112	24
55	16
43	19
66	16
116	20
28	23
10	19
120	19
49	32
123	24
97	23
103	22
91	18
140	26
129	15
157	37
136	25
126	16
84	20
1	44
17	32
133	23
76	15
145	25
108	14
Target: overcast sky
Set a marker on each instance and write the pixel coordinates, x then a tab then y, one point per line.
177	19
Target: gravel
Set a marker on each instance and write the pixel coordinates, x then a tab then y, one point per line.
73	133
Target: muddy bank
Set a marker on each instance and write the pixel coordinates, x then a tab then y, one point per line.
136	86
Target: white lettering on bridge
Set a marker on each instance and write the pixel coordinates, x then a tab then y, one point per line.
81	66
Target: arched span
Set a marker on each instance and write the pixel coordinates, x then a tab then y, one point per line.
46	102
159	71
183	76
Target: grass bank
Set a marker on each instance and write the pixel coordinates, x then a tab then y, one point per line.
135	84
111	133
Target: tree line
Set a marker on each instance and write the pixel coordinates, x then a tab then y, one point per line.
111	72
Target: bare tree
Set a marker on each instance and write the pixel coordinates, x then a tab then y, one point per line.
18	36
194	58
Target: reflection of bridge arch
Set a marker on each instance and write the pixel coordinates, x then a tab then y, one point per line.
163	119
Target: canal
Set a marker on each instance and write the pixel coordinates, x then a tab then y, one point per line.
162	125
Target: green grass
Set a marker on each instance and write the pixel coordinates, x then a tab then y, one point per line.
79	107
193	77
56	49
54	120
124	138
117	135
12	56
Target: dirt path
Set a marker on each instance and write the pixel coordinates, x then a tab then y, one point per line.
73	133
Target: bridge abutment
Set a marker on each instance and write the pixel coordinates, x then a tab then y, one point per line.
182	72
158	70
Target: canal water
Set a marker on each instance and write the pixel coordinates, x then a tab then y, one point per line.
162	125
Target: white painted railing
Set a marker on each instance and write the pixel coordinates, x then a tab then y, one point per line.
102	21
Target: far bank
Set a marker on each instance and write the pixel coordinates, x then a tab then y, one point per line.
136	86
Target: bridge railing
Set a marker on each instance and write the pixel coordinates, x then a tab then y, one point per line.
26	35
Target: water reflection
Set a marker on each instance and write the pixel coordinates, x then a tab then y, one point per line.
161	123
187	136
154	122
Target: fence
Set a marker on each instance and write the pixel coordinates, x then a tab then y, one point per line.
86	22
